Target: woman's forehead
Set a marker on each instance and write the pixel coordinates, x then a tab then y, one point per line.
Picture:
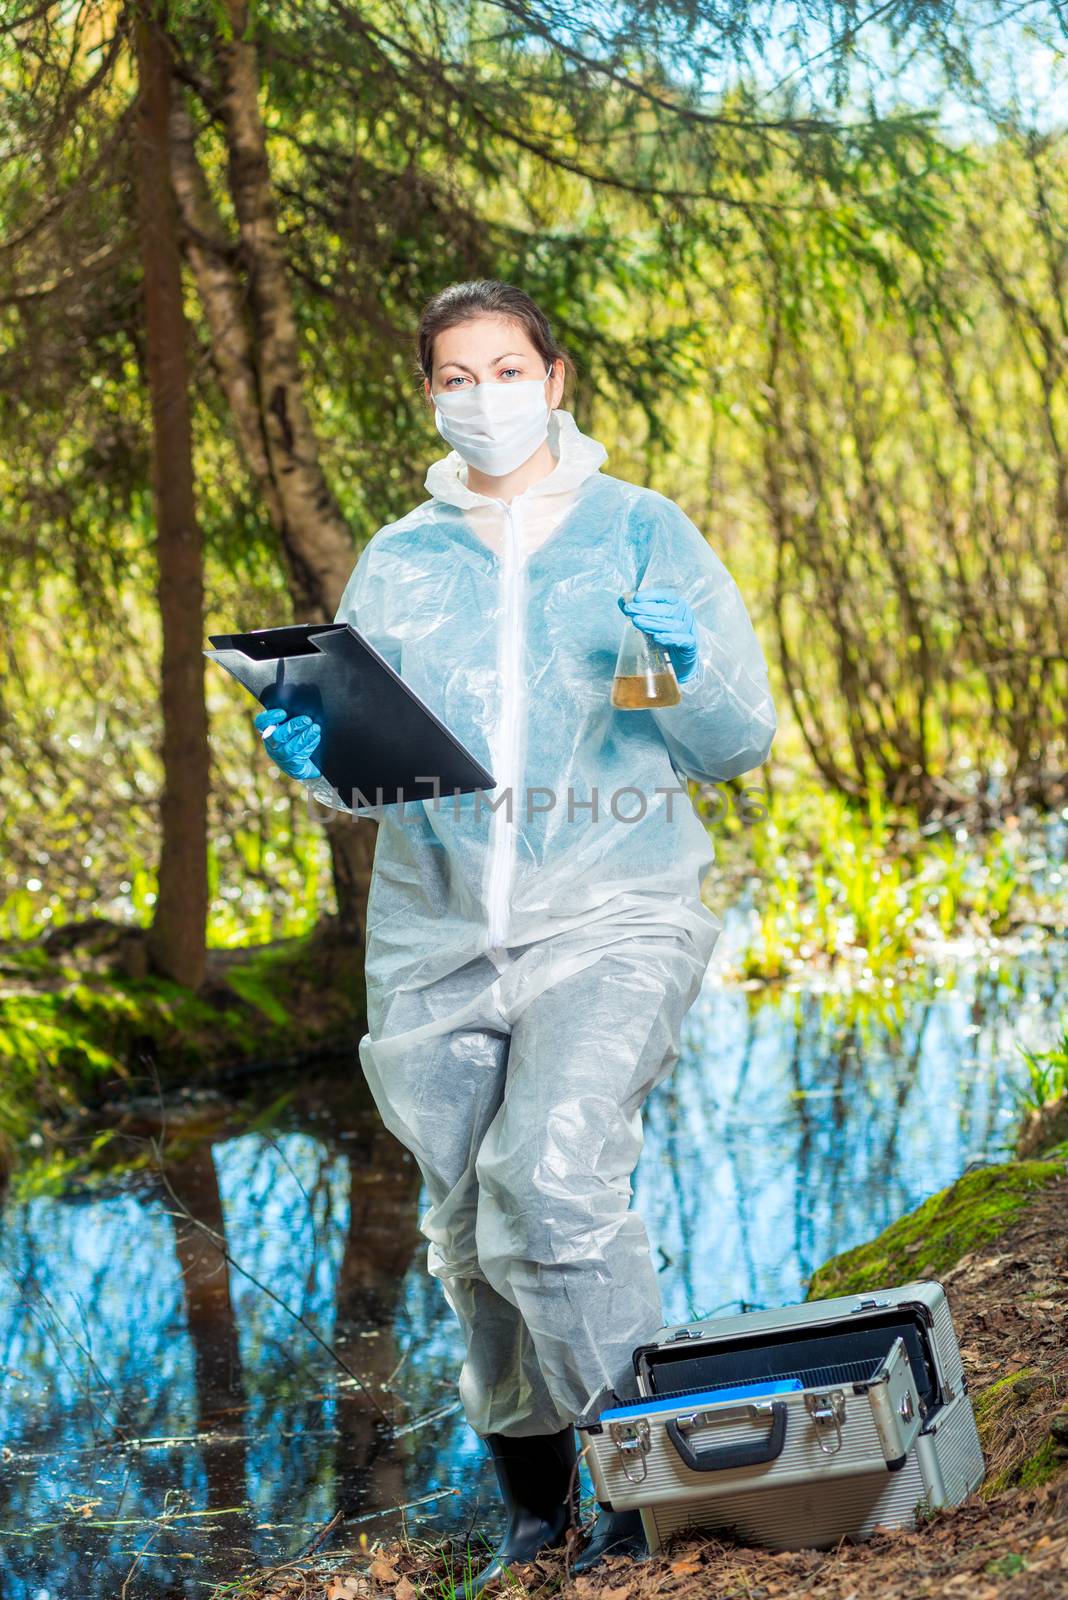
484	339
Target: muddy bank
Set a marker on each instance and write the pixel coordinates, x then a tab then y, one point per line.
998	1240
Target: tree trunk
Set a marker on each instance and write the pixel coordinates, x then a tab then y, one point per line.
352	854
239	364
316	538
177	937
255	346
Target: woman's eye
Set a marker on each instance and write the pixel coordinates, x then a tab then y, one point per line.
450	382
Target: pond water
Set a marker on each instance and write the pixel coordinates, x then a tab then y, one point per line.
183	1399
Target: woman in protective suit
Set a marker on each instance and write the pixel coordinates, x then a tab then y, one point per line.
532	949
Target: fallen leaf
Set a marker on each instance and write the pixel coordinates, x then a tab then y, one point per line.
383	1572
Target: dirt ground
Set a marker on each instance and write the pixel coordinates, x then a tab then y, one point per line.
1009	1539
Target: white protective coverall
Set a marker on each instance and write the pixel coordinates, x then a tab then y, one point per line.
528	968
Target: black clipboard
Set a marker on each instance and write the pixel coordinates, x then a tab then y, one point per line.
379	741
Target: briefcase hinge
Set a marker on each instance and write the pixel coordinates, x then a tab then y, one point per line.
827	1412
631	1439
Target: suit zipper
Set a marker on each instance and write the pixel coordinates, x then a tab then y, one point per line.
510	656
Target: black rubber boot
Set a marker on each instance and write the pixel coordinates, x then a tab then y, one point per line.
539	1486
617	1533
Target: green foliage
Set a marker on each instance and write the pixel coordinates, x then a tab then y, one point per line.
53	1172
1006	1566
1047	1075
799	328
255	988
268	878
66	1032
64	1038
664	258
838	883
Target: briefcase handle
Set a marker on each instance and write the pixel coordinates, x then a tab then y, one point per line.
720	1458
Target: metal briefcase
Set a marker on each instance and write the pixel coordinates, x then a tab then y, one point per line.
792	1427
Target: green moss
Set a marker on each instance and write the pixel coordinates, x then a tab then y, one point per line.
929	1240
1006	1566
1000	1395
1040	1467
992	1397
68	1031
257	990
1037	1469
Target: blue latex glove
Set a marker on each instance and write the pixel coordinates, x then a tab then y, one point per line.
669	620
290	741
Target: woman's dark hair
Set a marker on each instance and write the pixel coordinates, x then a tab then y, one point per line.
459	302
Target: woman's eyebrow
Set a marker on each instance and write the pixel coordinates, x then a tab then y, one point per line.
493	363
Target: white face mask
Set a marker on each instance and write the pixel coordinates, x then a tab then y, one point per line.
494	426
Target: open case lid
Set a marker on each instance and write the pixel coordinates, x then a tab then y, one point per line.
696	1358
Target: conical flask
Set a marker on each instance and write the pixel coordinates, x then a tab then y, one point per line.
644	674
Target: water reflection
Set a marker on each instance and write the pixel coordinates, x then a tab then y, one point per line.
799	1128
195	1367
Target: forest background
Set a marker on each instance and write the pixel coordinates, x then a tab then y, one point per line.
829	324
811	264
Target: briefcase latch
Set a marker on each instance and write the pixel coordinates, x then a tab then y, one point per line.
827	1411
631	1439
